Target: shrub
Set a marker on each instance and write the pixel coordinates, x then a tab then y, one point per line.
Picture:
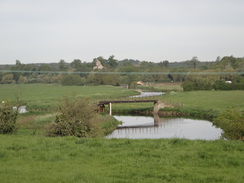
232	122
8	118
188	85
76	117
198	84
72	79
222	85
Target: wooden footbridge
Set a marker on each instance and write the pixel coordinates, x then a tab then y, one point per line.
101	104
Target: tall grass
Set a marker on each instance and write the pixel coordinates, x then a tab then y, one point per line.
69	159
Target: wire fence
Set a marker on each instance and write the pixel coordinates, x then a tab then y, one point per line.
126	73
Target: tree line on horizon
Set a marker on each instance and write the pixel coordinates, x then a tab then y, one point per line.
124	72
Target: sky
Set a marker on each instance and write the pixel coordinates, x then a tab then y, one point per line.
45	31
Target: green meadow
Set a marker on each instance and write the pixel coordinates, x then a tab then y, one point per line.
217	100
69	159
30	156
202	100
45	95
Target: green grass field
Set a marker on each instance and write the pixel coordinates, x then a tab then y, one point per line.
205	100
44	95
69	159
37	95
161	87
29	156
217	100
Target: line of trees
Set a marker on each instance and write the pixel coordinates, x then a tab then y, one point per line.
82	73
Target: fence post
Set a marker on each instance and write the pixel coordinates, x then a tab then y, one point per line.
110	108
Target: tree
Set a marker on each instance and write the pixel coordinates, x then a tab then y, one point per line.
218	59
17	68
194	60
76	64
165	63
72	79
129	77
112	62
44	67
8	79
22	80
62	66
85	69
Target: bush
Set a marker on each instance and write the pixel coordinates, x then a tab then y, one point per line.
222	85
76	117
237	84
8	119
72	79
232	122
188	85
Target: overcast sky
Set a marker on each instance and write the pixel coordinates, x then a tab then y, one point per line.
35	31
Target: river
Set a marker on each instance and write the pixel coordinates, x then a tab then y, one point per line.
147	127
148	94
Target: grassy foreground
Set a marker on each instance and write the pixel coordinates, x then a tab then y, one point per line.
69	159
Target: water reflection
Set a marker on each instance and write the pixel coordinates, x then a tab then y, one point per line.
148	94
141	127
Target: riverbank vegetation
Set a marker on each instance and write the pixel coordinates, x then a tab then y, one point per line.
76	117
70	159
232	122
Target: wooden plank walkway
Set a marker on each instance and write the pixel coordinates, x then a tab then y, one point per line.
125	101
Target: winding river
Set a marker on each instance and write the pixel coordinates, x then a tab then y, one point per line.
154	127
146	127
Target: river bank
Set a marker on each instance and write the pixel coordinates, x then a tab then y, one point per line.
172	112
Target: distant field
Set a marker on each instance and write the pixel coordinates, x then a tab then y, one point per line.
218	100
161	87
49	95
44	95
